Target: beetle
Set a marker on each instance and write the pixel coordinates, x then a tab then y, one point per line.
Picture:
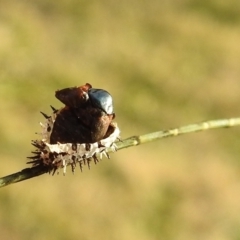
86	117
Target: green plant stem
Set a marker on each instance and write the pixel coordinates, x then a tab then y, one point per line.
28	173
202	126
24	174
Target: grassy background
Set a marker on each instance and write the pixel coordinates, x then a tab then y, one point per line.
166	63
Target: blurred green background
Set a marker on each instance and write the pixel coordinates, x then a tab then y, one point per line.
167	63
